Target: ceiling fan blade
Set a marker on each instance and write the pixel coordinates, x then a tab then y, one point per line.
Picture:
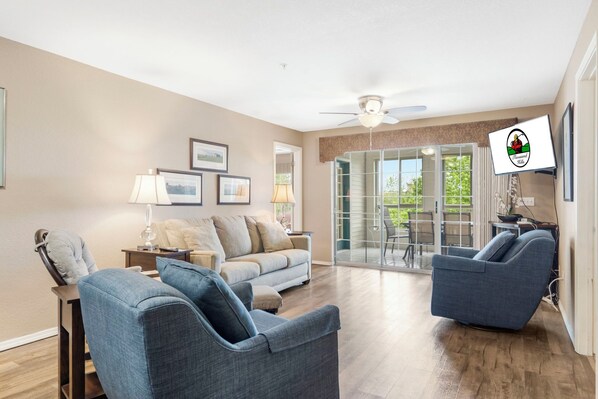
390	120
339	113
349	122
406	110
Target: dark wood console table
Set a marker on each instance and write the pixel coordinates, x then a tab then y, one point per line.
147	259
520	228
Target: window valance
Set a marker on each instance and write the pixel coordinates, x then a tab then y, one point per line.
471	132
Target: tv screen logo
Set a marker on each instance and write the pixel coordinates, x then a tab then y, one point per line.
518	148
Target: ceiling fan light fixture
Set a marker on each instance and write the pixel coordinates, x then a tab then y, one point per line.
373	106
371	120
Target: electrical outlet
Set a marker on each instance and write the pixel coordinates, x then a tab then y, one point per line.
529	201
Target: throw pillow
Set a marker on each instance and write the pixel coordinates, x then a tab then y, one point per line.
70	255
233	234
174	229
203	238
204	287
274	237
496	248
257	245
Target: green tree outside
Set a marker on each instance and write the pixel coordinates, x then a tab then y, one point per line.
457	190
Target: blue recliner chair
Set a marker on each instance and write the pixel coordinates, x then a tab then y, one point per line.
503	293
148	340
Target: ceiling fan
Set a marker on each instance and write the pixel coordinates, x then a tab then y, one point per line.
372	115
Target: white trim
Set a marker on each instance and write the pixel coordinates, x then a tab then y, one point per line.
567	320
584	71
584	130
321	262
27	339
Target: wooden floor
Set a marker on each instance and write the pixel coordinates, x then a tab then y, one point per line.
391	347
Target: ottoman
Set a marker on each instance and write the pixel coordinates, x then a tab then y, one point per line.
266	298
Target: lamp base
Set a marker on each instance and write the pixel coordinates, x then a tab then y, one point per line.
147	235
146	247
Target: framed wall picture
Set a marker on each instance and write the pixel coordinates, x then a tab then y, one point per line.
567	126
206	155
183	188
234	190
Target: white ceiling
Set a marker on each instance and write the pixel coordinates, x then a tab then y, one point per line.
455	56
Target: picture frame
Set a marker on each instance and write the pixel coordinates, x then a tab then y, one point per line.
234	190
567	126
207	155
183	188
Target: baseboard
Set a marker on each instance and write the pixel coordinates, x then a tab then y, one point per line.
568	325
321	262
27	339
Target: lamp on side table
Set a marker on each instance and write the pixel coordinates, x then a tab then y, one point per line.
149	189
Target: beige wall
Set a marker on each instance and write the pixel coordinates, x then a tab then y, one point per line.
568	210
76	138
318	198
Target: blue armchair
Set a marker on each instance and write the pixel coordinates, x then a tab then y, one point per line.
503	293
148	340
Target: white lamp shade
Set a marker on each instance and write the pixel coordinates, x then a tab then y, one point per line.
149	189
283	194
371	120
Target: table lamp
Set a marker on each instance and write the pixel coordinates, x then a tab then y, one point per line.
149	189
283	194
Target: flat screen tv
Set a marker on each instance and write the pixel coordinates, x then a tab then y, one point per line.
524	147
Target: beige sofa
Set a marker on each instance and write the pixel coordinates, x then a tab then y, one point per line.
242	248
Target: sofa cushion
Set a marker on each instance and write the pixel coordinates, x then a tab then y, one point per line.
496	248
256	240
233	234
295	257
268	262
235	272
203	238
274	237
70	255
174	229
212	295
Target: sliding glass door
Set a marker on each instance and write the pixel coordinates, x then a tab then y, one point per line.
398	207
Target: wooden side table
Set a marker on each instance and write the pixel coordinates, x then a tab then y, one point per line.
147	259
300	233
73	382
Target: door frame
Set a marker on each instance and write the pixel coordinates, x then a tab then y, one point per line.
586	153
297	209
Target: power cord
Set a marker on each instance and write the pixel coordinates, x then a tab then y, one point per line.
552	299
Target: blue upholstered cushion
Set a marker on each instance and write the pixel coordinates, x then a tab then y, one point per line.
212	295
496	248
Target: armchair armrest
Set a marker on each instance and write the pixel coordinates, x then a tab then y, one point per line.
301	242
209	259
462	252
244	291
449	262
304	329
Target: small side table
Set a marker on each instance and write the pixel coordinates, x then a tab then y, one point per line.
147	259
73	382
